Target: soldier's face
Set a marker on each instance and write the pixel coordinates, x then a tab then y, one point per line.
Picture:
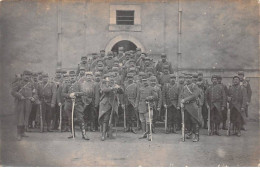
145	83
219	81
153	83
241	76
120	52
116	64
188	80
200	77
97	78
173	80
26	77
181	80
138	52
147	62
163	59
35	79
214	81
130	80
72	79
166	71
102	54
236	81
89	77
84	61
82	72
45	79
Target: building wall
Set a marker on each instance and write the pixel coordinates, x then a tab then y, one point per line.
215	34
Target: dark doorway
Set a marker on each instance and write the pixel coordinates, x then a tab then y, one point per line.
128	45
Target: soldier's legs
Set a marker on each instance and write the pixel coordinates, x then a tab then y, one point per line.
28	108
104	121
89	110
32	116
143	124
169	119
96	110
67	116
224	116
19	118
55	116
205	115
175	119
195	129
48	116
79	112
188	124
128	115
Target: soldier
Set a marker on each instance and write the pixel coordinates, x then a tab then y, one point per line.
188	98
76	91
97	86
237	98
102	54
130	95
145	94
47	96
108	104
224	112
109	61
246	84
203	85
170	102
121	54
165	77
216	102
162	62
32	117
83	63
82	75
180	87
157	101
24	93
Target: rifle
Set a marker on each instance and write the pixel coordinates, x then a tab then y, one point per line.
208	120
41	121
150	137
183	123
166	120
110	125
60	118
124	120
228	119
72	118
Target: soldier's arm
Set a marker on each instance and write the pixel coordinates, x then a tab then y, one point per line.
164	95
249	92
14	92
137	98
59	94
224	98
160	98
97	94
54	94
244	98
65	90
170	68
194	95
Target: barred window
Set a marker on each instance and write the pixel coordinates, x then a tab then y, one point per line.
124	17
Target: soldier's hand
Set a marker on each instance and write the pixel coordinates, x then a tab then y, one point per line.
123	106
52	105
22	98
72	95
182	100
242	109
165	106
247	103
158	108
32	99
229	99
208	107
59	104
178	108
222	108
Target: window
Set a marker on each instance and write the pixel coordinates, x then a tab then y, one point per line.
124	17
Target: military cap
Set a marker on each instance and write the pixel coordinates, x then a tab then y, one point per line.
188	76
97	73
146	58
109	53
240	73
35	75
181	76
132	69
138	49
195	75
116	60
115	68
58	75
172	76
127	53
131	52
89	73
63	71
247	79
106	75
102	50
163	55
236	77
65	75
100	65
84	57
72	72
153	78
58	70
82	68
121	48
200	74
141	73
144	54
129	75
214	76
144	79
27	72
39	73
45	75
94	54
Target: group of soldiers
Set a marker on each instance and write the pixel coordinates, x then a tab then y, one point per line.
129	84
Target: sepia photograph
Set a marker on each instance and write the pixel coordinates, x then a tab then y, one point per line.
129	83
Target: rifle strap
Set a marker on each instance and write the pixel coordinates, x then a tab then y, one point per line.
23	87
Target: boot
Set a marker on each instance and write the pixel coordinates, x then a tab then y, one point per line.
132	129
104	129
144	130
128	128
196	133
19	137
70	137
149	135
174	128
83	132
239	130
23	132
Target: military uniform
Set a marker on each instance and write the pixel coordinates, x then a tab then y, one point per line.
47	95
237	98
161	63
188	97
170	100
145	93
216	100
130	94
24	94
